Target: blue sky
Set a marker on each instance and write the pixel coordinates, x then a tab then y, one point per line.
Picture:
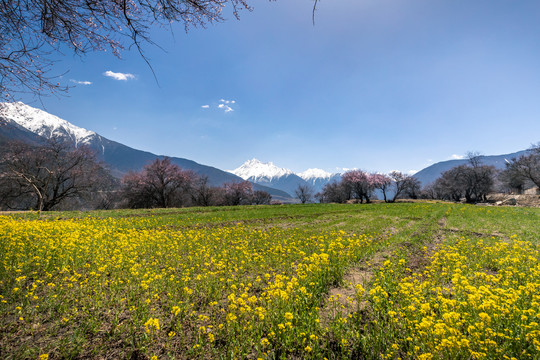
375	84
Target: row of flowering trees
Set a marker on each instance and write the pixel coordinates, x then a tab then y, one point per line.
54	176
162	184
360	185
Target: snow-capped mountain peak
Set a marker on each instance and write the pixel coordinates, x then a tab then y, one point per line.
254	169
44	124
315	173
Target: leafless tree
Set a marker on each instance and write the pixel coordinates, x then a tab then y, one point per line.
335	192
202	194
413	188
474	158
304	193
428	192
400	183
405	186
526	168
472	183
449	186
261	197
33	32
46	176
511	181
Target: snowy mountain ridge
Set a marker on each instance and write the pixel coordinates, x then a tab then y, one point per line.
257	170
268	174
18	121
44	124
315	174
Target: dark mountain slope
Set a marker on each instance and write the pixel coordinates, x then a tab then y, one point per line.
432	172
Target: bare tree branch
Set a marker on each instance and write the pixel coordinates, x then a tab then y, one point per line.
314	9
32	32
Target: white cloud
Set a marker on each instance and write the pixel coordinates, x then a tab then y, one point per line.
412	172
224	105
81	82
119	76
227	108
457	157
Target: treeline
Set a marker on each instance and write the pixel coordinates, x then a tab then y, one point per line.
55	176
474	181
360	186
163	184
470	183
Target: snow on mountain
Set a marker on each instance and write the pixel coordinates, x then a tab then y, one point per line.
44	124
315	173
318	178
20	122
255	170
270	175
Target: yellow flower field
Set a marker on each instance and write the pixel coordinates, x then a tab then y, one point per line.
231	291
204	285
478	299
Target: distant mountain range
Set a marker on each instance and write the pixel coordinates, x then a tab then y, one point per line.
270	175
432	172
317	178
25	123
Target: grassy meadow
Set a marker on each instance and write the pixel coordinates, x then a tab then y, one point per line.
369	281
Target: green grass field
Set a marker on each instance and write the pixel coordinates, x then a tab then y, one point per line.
404	280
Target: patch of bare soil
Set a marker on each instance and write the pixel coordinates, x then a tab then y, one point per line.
345	295
420	260
476	233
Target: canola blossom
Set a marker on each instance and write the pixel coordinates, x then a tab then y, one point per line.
477	299
212	286
225	290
